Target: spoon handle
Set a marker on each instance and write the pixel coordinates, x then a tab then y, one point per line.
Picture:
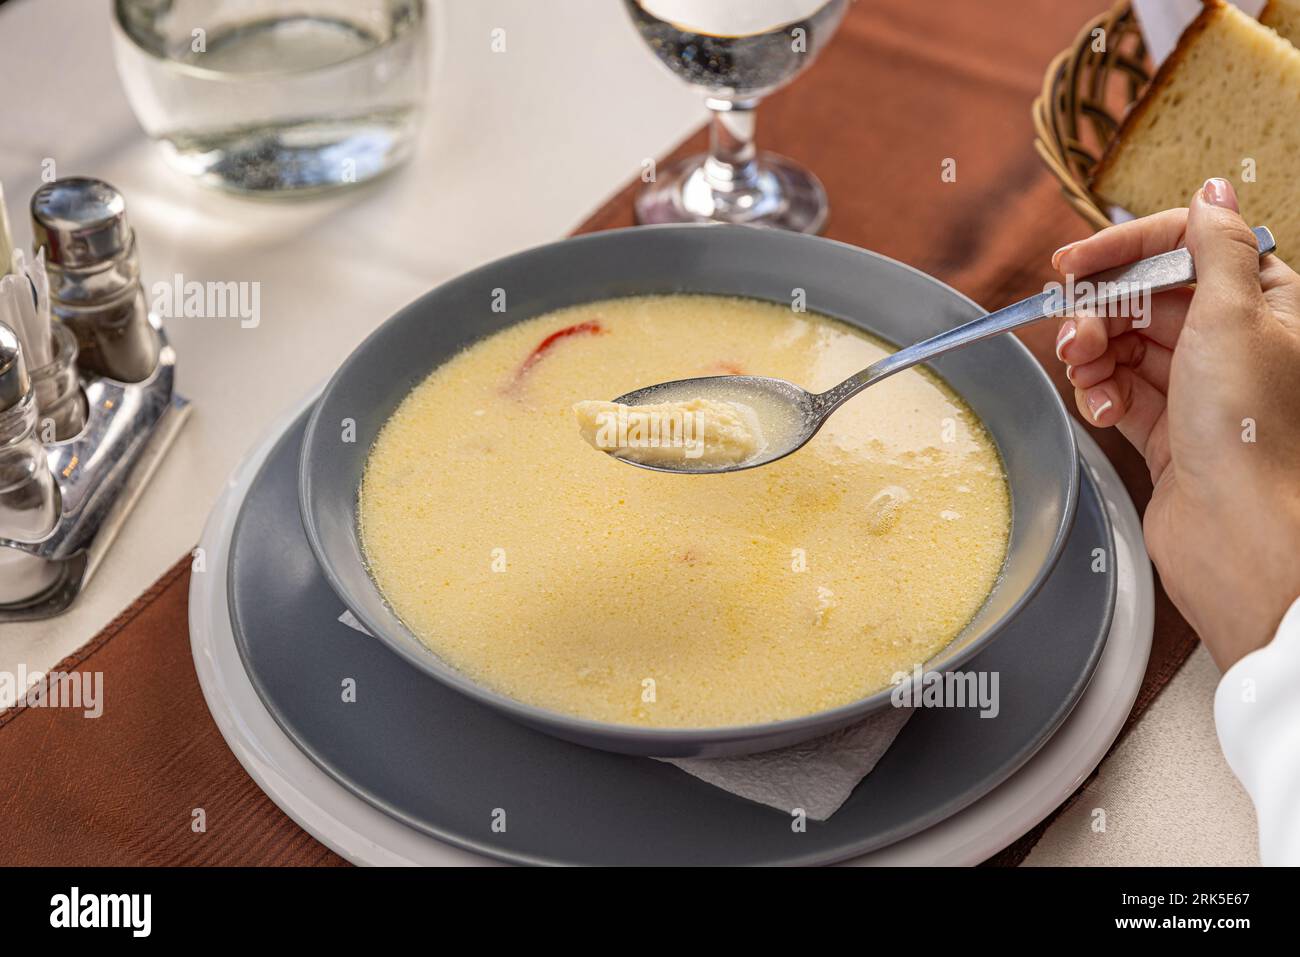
1143	278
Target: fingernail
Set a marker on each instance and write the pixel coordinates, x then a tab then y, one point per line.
1056	256
1219	192
1065	337
1098	403
1069	373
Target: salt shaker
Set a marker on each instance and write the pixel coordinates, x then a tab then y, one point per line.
59	399
94	274
29	497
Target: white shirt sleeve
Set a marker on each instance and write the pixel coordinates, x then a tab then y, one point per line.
1257	712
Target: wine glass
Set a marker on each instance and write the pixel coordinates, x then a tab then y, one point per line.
735	52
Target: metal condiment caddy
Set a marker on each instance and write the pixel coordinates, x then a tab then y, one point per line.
103	445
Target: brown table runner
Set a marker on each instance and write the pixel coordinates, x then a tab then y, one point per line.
904	87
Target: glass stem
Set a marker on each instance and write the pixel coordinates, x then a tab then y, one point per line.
731	166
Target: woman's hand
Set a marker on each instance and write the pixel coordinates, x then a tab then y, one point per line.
1209	393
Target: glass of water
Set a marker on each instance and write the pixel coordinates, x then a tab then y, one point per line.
735	52
276	96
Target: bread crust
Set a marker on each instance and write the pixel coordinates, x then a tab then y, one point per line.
1211	10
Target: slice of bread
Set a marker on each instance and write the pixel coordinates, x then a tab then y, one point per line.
1223	104
1284	17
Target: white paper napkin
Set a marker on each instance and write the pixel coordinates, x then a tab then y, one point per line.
1163	21
816	776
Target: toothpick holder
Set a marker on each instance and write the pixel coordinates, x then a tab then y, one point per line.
100	473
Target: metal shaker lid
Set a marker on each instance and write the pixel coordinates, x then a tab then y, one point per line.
14	384
80	221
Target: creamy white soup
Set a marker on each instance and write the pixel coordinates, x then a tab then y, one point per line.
548	570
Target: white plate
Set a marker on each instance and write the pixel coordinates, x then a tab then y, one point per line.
364	835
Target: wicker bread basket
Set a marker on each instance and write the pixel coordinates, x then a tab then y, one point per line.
1086	92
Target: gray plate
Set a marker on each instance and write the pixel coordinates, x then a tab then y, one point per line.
442	763
1002	382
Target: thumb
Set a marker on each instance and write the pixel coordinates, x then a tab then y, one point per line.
1227	259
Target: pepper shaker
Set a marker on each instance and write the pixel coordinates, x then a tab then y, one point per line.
94	272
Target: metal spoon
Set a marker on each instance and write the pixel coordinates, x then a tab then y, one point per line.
809	411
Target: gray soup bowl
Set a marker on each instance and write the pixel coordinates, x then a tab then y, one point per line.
998	378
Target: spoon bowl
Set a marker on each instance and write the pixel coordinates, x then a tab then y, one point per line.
789	414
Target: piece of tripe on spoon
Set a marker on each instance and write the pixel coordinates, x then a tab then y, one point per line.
699	432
